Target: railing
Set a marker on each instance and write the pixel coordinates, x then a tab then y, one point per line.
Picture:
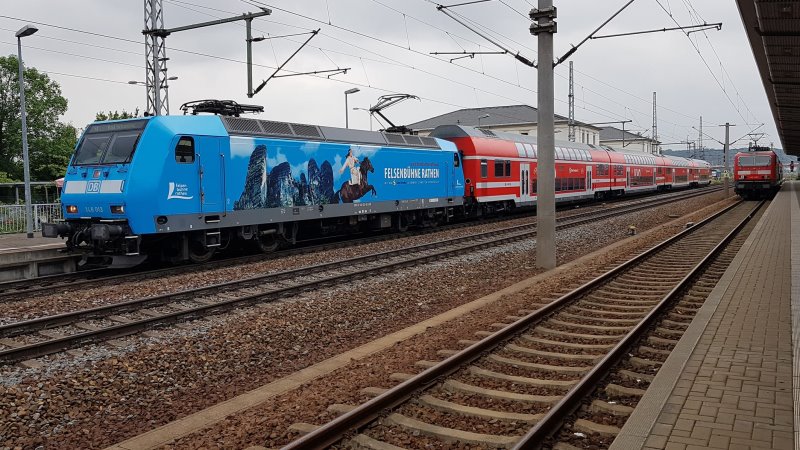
12	217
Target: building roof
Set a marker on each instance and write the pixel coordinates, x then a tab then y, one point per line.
498	116
615	134
773	30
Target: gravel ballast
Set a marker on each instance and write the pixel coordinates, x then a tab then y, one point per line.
106	393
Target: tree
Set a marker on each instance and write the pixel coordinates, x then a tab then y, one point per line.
50	142
116	115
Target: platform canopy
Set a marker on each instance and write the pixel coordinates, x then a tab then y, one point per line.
773	28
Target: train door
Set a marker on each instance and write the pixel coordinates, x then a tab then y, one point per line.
457	187
211	176
525	182
589	179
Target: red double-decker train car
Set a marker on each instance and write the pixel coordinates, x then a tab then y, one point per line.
757	174
500	170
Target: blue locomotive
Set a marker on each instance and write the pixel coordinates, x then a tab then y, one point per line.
180	188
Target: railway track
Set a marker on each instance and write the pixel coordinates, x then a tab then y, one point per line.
22	289
52	334
531	383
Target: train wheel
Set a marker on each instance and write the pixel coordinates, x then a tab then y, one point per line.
199	253
267	243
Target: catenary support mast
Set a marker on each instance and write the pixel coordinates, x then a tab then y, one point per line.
571	105
655	127
155	59
544	30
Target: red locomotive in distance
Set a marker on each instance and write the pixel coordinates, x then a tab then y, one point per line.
500	170
757	173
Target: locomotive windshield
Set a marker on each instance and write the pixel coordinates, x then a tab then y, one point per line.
754	160
109	143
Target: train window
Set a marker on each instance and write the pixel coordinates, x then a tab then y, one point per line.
754	160
529	151
184	150
456	162
498	167
619	169
91	149
121	149
602	170
484	168
520	149
508	168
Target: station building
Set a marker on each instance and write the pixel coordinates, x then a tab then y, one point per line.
523	119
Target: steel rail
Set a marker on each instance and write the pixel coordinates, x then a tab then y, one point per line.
42	323
458	245
43	348
335	430
23	288
562	410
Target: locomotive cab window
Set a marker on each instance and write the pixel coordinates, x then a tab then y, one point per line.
754	161
109	143
184	150
484	168
121	148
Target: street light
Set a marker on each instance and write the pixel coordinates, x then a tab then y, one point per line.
27	30
370	115
482	117
142	83
346	112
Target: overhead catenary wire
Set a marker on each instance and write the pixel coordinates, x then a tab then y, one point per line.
702	58
238	61
445	31
587	107
201	54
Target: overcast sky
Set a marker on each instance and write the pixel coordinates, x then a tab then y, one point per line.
386	45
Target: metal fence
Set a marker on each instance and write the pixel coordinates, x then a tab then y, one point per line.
12	217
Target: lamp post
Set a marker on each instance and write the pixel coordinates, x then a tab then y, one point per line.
27	30
485	116
370	115
346	112
142	83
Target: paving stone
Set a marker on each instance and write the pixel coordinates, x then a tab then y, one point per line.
731	372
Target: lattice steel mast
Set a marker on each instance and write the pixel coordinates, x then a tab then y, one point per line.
655	126
155	56
700	140
571	105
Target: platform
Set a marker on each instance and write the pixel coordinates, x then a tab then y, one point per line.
20	242
22	257
732	380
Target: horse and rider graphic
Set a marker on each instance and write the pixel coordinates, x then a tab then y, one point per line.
357	186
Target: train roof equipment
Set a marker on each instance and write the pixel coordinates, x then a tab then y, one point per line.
220	108
386	101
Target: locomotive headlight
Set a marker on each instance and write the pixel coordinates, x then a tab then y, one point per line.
72	209
117	209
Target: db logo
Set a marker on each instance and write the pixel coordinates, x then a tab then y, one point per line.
93	186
